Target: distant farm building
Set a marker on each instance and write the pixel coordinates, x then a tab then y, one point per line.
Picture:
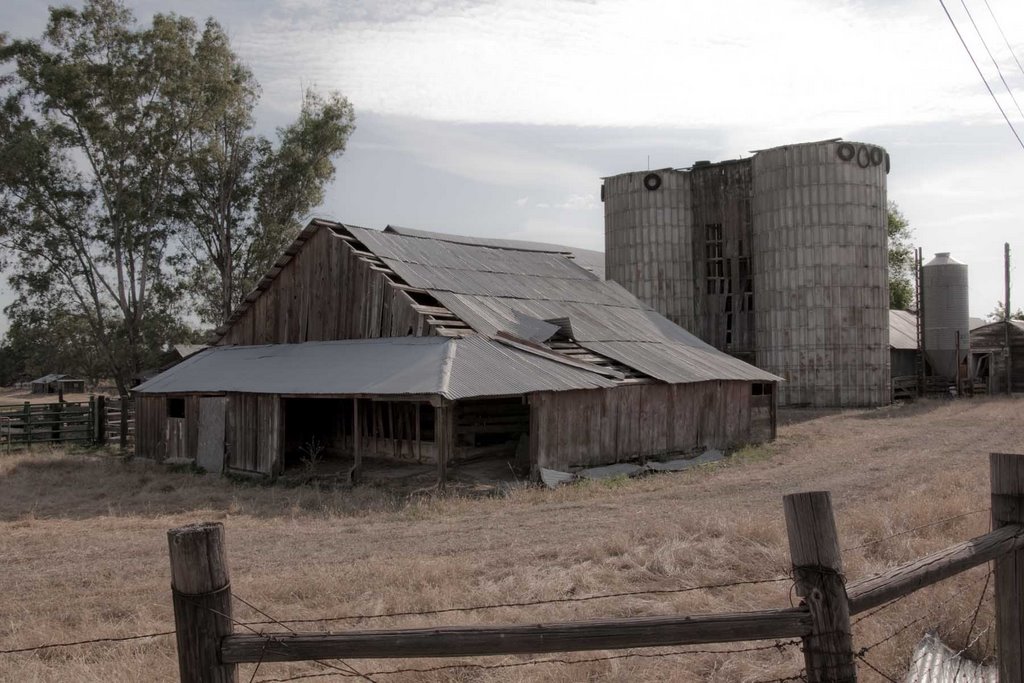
413	346
991	355
56	384
778	259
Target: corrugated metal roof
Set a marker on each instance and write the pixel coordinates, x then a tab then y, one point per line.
493	288
679	363
467	367
934	662
52	377
1019	324
587	258
902	330
494	285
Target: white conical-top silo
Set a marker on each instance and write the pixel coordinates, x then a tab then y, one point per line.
944	292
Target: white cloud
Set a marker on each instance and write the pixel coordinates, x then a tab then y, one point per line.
791	66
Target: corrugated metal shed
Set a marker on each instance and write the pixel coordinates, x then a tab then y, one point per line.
467	367
903	330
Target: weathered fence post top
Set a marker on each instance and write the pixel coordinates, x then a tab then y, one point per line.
201	588
818	575
1008	508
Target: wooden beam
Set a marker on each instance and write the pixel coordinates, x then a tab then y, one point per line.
818	572
474	641
444	437
907	578
357	450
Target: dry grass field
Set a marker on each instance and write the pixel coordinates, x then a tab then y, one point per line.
83	549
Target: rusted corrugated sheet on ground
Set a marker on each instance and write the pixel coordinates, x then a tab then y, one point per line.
468	367
934	662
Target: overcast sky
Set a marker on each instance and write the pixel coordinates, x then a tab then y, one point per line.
499	118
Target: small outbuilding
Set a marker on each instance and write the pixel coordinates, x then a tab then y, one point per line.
904	354
992	356
411	346
57	384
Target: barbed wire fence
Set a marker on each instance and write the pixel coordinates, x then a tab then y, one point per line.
344	669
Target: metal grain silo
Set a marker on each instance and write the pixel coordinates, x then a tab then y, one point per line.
820	274
648	244
945	304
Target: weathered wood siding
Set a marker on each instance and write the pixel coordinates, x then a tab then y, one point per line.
327	292
601	426
253	428
150	426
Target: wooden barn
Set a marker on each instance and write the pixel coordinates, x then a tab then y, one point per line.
413	346
991	355
57	384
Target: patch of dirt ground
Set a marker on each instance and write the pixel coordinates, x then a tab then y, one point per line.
83	551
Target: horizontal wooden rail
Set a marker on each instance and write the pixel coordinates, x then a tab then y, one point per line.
472	641
895	583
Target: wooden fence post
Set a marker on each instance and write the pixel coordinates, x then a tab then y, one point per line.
100	425
1008	508
818	573
201	588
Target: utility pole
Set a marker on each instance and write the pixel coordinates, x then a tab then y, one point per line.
1006	319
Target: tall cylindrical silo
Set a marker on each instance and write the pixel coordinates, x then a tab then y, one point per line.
648	240
820	274
945	312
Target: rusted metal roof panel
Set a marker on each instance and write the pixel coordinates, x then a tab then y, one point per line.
902	330
468	367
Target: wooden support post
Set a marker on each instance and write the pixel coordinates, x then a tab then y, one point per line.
1008	508
123	441
444	437
100	432
201	589
357	451
818	572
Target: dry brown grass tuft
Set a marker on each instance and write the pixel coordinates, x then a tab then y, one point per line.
83	550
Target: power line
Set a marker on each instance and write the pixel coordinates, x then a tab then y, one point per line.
1005	39
992	57
981	74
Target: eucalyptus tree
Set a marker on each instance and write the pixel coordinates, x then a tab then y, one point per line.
241	197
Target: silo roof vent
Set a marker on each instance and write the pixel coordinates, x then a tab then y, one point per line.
942	258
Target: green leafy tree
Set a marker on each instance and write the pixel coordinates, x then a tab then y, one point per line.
999	313
901	259
119	144
239	196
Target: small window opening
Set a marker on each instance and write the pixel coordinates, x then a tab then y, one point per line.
176	407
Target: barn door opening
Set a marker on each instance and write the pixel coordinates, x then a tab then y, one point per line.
492	439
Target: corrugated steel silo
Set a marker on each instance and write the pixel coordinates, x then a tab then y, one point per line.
820	274
648	240
944	300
